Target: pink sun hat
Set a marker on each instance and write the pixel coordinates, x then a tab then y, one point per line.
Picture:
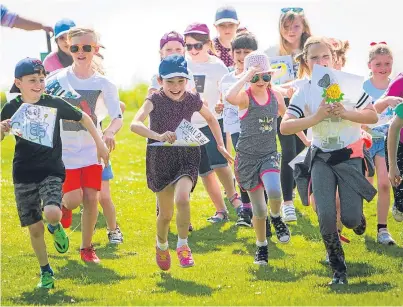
259	59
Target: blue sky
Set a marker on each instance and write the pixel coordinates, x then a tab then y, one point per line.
131	29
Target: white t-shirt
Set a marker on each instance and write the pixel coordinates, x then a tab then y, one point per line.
190	86
207	77
231	120
331	133
99	97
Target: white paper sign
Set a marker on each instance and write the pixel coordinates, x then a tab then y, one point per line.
34	123
383	119
298	159
186	135
286	69
335	86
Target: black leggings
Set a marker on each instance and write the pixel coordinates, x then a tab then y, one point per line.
397	192
291	146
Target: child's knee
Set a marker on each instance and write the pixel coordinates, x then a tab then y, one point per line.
90	197
259	211
36	230
72	200
351	221
165	216
182	201
52	213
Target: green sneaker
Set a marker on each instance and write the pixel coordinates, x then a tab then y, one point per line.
61	240
47	281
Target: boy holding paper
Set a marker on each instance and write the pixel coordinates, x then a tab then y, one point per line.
38	170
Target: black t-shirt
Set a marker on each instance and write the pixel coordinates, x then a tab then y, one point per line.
34	162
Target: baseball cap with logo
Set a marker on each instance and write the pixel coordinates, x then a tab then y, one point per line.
25	67
63	26
226	14
171	36
173	66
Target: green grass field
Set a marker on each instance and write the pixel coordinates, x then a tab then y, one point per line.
224	273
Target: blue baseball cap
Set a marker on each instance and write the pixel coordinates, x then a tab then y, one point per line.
174	66
27	66
226	14
63	26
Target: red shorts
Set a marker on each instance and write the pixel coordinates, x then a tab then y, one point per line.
85	177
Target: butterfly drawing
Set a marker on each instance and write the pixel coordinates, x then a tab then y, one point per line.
331	91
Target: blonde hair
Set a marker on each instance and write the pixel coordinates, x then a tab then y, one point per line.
340	48
379	49
205	38
303	56
289	17
97	60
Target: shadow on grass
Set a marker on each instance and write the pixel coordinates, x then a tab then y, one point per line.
361	287
269	273
184	287
76	223
354	269
46	297
90	273
392	251
304	228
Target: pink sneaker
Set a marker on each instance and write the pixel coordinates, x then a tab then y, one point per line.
163	259
185	256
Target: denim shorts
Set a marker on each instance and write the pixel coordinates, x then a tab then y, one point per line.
211	158
377	148
107	173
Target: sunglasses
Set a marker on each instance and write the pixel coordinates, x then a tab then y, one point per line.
84	48
265	78
297	10
197	46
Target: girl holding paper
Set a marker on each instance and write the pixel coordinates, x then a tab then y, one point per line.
172	171
380	63
294	31
341	154
257	167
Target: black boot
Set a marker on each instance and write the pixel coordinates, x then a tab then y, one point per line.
336	258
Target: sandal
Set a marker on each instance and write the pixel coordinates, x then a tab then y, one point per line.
217	217
234	198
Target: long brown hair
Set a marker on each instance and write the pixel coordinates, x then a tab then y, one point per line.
204	38
289	17
340	48
303	56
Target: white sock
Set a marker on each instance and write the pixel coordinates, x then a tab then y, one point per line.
162	246
182	242
264	243
274	215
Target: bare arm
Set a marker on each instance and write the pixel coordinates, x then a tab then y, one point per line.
387	101
365	116
393	141
30	25
235	95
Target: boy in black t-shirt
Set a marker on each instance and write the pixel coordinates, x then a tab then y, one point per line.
38	170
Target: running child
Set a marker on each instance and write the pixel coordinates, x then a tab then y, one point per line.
344	157
172	172
38	170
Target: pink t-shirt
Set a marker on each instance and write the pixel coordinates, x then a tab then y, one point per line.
396	89
52	62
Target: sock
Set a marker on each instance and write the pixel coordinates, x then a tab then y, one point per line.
380	226
260	244
247	206
162	246
52	228
47	268
181	242
274	215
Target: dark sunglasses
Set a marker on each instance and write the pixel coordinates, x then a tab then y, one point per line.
292	9
197	46
265	78
84	48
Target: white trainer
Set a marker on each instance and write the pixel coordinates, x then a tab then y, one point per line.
288	213
385	238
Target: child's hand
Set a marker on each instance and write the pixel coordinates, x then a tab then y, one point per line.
394	176
225	153
307	143
219	108
338	110
252	71
103	153
5	125
394	101
168	136
109	139
324	111
290	92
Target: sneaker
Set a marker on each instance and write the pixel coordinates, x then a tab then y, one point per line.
115	236
262	255
219	217
288	213
88	255
60	239
67	217
339	278
397	215
360	229
185	256
47	281
282	231
244	217
385	238
269	234
163	258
